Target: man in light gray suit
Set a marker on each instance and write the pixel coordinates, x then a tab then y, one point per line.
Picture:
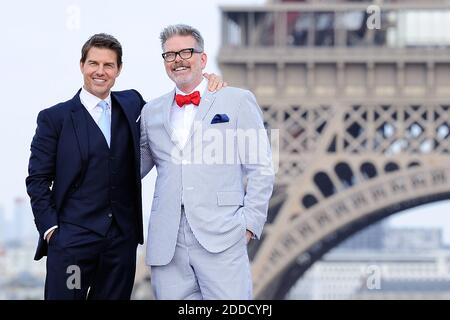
214	181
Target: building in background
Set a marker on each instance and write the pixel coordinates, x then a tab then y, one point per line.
20	228
393	270
357	96
21	276
2	225
413	239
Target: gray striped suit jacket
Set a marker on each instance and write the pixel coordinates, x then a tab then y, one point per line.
223	174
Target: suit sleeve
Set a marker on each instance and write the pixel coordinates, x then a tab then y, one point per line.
41	173
146	156
256	158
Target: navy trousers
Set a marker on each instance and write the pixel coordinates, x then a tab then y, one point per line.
82	264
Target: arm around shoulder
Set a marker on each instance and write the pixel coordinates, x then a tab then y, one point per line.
146	155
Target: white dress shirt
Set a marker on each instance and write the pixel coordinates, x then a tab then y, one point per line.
181	119
90	102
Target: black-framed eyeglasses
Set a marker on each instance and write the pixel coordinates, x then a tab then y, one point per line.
184	54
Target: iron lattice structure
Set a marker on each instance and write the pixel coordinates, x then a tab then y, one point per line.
363	120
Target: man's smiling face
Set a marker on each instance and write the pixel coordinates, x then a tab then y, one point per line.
186	73
100	71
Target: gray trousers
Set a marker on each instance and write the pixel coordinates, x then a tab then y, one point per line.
197	274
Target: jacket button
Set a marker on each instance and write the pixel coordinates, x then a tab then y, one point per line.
110	215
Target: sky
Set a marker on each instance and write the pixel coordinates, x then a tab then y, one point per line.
39	61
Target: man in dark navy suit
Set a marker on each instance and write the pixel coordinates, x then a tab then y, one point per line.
84	182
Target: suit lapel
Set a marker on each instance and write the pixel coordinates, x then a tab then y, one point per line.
166	114
206	102
205	105
80	127
128	111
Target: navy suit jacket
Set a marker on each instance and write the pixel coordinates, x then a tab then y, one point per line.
59	155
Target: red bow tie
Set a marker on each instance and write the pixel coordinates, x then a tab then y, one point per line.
193	98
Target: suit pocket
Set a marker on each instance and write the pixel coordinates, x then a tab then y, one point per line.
230	198
53	237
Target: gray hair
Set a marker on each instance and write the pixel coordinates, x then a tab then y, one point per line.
181	30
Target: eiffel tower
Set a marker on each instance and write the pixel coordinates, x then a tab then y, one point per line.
359	93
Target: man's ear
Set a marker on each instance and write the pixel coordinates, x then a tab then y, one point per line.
204	60
81	66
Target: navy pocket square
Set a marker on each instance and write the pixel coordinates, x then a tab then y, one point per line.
219	118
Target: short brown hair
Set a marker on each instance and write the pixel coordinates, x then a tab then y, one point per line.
102	40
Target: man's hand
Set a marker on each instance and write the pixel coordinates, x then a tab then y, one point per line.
49	235
215	82
249	236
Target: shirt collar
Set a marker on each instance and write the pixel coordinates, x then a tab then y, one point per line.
90	101
200	88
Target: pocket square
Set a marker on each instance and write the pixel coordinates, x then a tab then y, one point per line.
219	118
